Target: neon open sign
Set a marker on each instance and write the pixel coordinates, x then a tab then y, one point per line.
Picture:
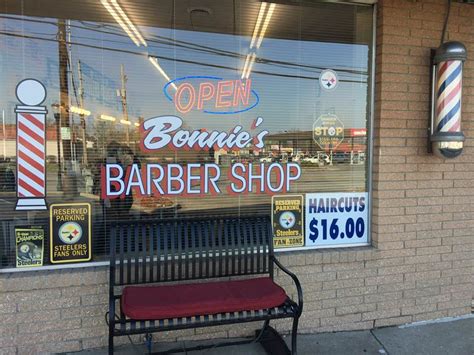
211	94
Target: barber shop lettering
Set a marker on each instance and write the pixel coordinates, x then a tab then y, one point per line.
195	179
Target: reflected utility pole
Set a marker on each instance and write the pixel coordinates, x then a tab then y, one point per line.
64	120
82	117
123	96
4	136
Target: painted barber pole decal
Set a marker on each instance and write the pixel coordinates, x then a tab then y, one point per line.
448	96
31	145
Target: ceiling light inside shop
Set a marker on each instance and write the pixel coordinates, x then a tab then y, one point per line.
108	118
265	25
157	65
263	6
122	19
79	111
244	70
246	74
258	32
125	122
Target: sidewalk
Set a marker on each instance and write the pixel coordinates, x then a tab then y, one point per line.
453	337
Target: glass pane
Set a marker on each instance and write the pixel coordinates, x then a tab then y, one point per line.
254	94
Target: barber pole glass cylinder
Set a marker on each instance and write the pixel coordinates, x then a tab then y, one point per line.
446	135
31	146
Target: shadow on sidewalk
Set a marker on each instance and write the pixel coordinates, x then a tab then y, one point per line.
450	336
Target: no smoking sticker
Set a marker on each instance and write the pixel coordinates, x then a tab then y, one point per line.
328	79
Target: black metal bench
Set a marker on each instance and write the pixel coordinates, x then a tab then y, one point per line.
234	255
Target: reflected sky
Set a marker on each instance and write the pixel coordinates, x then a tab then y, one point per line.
285	74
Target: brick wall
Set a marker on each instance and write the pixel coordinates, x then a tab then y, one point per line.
423	216
421	266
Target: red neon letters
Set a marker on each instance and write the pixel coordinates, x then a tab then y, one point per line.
224	94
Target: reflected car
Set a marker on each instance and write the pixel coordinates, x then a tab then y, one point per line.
269	159
341	157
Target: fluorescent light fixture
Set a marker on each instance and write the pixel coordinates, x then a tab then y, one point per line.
157	65
265	24
257	24
79	111
128	22
108	118
125	122
137	124
246	64
250	66
122	19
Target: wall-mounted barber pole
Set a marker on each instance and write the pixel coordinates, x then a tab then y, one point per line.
446	136
31	145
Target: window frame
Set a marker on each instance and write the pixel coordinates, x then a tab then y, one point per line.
369	165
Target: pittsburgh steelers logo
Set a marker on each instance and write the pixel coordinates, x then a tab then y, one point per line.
328	79
24	248
287	220
70	233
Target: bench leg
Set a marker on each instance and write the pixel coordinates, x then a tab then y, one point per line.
260	333
294	333
111	344
148	342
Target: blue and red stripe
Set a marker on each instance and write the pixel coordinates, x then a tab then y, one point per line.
449	96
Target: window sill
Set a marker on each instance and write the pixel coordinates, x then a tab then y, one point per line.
55	267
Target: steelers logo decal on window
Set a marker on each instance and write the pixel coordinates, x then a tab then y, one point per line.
70	233
328	79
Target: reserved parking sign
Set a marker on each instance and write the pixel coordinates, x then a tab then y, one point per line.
70	228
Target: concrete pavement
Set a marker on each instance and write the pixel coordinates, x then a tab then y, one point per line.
446	336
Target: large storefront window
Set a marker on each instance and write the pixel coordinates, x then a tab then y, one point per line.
176	109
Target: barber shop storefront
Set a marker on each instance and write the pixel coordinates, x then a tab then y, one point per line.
309	114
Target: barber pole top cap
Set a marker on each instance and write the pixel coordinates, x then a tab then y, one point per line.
30	92
450	51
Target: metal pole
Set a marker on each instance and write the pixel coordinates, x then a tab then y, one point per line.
69	65
64	89
57	117
123	95
352	148
4	136
83	119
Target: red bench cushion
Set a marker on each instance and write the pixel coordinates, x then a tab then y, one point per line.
161	302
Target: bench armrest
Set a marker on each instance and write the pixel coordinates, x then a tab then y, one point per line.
295	280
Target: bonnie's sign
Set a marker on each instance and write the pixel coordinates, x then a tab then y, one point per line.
197	179
210	95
